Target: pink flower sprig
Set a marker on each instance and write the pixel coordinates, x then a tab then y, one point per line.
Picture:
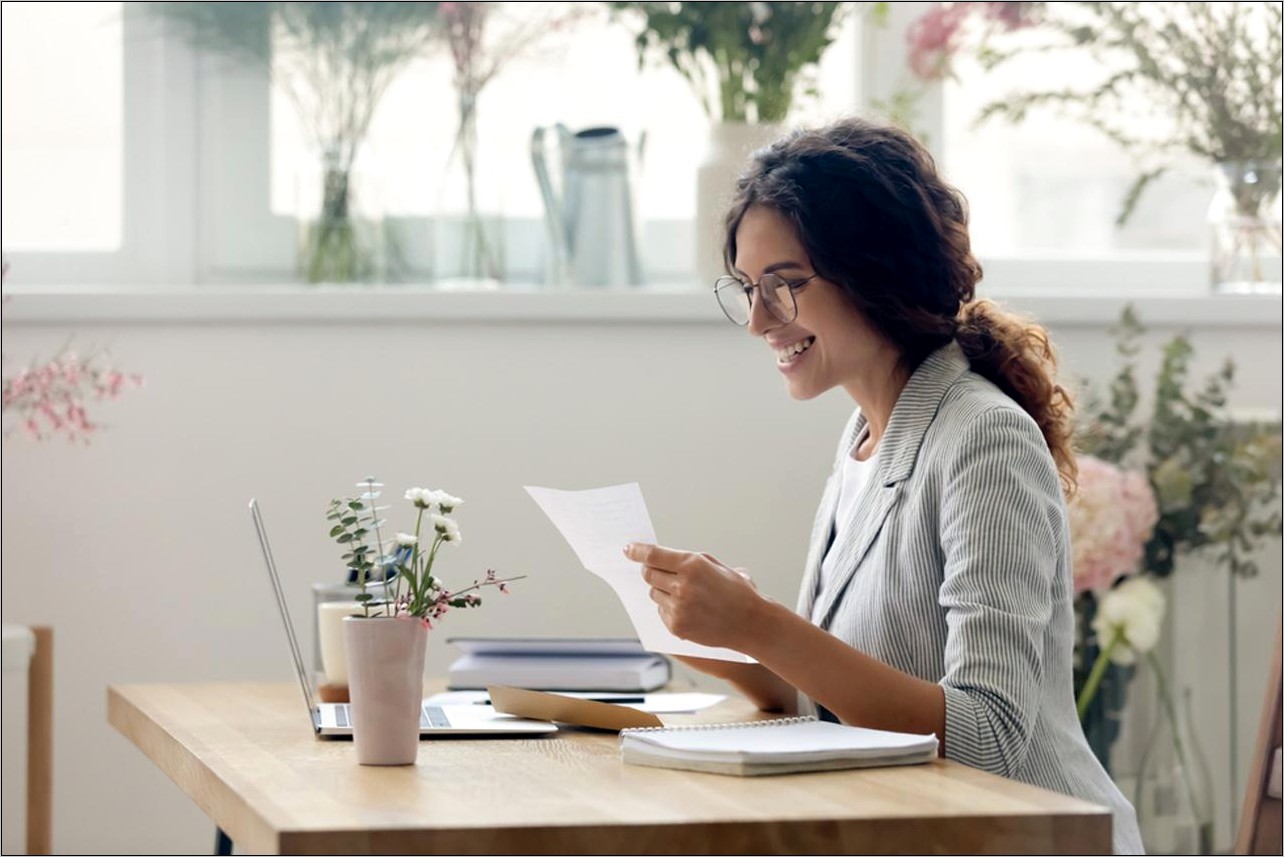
479	49
443	600
939	34
49	398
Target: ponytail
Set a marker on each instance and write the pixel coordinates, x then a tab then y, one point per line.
878	221
1016	356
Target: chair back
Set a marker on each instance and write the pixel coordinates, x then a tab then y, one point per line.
1260	821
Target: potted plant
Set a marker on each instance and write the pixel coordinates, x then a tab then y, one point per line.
386	644
744	61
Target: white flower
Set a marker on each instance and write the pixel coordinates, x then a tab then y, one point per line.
448	528
443	501
1136	608
406	540
433	499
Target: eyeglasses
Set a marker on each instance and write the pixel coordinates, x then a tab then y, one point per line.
736	297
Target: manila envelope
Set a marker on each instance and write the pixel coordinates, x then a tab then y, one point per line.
568	709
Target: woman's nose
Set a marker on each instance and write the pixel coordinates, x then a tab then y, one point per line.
760	318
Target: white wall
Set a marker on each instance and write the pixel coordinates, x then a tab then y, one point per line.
138	548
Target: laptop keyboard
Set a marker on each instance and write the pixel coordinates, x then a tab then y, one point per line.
429	716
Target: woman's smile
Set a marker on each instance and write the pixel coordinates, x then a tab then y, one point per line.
788	356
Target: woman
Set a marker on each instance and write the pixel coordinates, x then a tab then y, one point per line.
937	592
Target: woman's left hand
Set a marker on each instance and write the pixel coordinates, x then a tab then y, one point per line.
700	599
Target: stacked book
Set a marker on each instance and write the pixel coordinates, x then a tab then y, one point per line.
552	663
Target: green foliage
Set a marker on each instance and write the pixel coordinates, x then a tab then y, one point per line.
1111	435
742	59
1209	71
1217	481
357	527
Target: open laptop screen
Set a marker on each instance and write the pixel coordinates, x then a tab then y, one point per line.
304	682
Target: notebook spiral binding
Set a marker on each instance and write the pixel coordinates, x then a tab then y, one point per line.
704	727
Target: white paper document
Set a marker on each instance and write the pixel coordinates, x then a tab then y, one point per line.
597	524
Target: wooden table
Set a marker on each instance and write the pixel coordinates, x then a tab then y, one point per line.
247	756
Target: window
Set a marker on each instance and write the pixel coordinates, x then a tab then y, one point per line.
99	147
63	127
1050	185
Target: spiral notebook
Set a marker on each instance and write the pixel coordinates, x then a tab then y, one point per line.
784	746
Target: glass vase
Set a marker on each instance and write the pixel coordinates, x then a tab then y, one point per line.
341	223
1174	799
1244	219
468	247
1103	719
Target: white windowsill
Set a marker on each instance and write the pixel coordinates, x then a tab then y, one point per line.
650	305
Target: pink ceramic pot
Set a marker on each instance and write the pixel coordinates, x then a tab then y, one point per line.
386	682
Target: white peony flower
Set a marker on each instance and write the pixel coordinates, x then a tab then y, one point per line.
447	527
1135	608
418	496
406	540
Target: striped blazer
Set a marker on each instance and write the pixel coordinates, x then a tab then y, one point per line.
956	569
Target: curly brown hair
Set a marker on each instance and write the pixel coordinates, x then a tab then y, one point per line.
877	220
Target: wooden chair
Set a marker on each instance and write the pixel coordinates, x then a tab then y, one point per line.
1261	820
40	744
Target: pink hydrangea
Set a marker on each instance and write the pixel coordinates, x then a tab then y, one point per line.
1111	518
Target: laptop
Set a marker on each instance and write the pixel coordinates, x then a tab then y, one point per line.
334	719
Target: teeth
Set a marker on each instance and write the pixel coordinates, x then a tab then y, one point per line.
789	352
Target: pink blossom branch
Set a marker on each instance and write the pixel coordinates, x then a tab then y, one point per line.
49	398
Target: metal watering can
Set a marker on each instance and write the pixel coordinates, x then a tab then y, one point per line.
589	205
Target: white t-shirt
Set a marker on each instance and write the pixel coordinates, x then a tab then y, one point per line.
853	478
